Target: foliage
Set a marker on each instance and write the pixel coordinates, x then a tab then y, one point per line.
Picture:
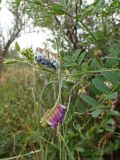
88	85
78	24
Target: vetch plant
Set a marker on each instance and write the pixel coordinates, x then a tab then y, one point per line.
89	116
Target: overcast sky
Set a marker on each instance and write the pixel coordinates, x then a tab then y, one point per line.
26	39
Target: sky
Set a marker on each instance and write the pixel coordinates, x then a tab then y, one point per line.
33	39
38	39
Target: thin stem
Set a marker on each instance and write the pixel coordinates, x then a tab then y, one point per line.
70	154
21	156
75	74
94	71
113	58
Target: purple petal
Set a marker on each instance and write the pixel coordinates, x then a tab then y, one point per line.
61	108
52	124
54	121
60	116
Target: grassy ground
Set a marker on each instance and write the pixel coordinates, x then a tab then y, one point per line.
22	104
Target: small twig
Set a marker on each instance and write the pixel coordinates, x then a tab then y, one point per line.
21	156
69	99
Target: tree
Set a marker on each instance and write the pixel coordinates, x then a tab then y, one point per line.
14	31
81	25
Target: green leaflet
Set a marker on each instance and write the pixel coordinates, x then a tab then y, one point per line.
89	100
99	84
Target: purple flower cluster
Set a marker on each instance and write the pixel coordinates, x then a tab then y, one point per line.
57	116
100	54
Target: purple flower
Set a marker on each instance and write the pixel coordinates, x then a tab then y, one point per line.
57	116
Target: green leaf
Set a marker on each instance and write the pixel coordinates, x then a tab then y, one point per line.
17	47
111	76
109	128
76	54
99	84
28	53
109	125
10	61
87	11
114	113
89	100
112	95
68	61
96	63
57	9
80	59
18	2
96	113
57	6
110	121
36	2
